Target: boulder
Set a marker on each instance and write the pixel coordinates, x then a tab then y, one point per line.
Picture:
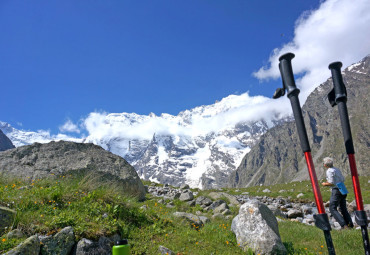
88	247
187	196
184	186
194	220
31	246
7	217
293	213
165	251
256	228
201	200
52	159
217	195
61	243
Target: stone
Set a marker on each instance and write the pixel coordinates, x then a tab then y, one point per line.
276	211
352	206
266	191
226	212
186	196
191	203
218	216
204	219
31	246
218	195
191	218
165	251
16	233
184	186
221	208
88	247
7	217
61	243
216	204
306	209
38	161
256	228
293	213
201	200
300	195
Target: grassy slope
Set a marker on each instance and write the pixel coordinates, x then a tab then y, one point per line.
96	209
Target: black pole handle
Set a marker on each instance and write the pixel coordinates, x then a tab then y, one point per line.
287	77
340	98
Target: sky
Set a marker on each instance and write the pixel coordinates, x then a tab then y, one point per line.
64	63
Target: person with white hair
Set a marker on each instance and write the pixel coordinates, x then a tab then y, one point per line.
335	179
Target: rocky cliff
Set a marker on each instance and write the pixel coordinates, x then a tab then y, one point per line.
278	158
5	143
60	158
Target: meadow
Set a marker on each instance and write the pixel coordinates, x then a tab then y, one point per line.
98	209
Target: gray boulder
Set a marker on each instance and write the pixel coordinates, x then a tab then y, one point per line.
31	246
201	200
88	247
165	251
218	195
16	233
186	196
7	217
256	227
59	244
194	220
293	213
39	161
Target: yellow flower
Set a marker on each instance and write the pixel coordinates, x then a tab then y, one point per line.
227	242
322	246
3	240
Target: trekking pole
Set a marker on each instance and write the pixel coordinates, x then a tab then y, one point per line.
286	71
338	96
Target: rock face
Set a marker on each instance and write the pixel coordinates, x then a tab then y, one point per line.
60	158
278	157
7	217
256	228
31	246
5	143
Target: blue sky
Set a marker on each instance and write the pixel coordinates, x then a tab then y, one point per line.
62	60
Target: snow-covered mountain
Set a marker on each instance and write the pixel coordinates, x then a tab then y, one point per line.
201	146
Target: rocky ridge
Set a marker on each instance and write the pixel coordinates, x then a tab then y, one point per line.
5	142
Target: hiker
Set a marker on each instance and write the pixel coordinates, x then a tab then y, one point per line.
335	179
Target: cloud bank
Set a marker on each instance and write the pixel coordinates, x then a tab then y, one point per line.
337	31
198	121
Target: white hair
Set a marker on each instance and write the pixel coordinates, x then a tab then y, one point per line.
328	162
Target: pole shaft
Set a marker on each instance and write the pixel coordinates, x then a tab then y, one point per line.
356	182
314	183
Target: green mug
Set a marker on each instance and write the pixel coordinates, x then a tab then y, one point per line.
121	247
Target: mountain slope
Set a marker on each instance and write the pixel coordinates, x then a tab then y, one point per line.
278	158
5	142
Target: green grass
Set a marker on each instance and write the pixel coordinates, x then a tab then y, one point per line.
96	209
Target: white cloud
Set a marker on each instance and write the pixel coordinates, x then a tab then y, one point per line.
202	120
337	31
70	127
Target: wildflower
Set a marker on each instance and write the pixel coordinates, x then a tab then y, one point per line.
41	215
196	243
227	242
322	246
3	240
